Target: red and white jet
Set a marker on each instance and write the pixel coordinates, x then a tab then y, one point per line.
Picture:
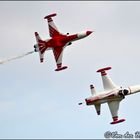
112	95
57	42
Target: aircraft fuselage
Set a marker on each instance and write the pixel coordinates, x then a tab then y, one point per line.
64	40
103	97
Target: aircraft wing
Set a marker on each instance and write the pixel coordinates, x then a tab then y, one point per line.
58	53
53	31
114	107
107	81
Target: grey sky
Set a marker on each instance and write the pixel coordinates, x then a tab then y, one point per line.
36	101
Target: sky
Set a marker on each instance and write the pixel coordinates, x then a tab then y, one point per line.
36	101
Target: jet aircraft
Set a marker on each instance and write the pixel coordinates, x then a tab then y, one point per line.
56	43
112	94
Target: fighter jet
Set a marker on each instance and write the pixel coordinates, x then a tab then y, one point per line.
112	95
56	43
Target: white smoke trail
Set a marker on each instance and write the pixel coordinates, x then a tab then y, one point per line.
15	57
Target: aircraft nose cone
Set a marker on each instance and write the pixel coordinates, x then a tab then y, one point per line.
89	32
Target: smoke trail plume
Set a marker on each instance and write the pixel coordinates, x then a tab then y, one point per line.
15	57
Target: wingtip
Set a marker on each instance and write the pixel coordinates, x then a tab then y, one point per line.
104	69
61	68
117	121
49	16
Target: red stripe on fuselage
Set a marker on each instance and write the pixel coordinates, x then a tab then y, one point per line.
72	37
56	41
99	97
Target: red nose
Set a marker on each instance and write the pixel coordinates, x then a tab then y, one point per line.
89	32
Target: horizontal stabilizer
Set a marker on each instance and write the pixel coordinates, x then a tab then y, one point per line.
37	37
93	92
40	47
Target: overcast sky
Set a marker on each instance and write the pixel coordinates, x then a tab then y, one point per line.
36	101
